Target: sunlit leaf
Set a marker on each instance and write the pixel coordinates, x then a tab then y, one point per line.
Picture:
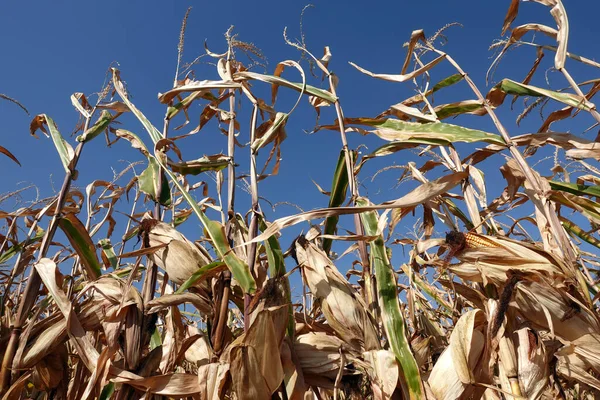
65	151
82	243
148	181
311	90
339	187
507	86
99	126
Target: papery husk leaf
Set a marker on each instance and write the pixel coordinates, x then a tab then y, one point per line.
491	264
344	310
536	302
212	378
293	377
456	369
319	354
384	375
174	385
533	363
181	258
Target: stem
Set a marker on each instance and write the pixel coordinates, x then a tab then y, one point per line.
253	230
226	275
222	316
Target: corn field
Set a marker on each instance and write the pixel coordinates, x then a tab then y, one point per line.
103	296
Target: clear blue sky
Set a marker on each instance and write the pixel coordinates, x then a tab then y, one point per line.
53	49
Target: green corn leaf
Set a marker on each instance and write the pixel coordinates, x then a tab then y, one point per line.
148	181
507	86
65	151
576	189
393	322
109	252
154	133
200	274
207	163
100	126
311	90
396	130
82	243
339	186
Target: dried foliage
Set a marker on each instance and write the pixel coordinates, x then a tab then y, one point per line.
490	311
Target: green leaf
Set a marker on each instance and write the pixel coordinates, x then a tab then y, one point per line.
148	181
393	322
339	186
207	163
457	212
279	123
100	126
216	232
588	208
426	287
82	243
154	133
449	81
15	249
109	252
196	276
311	90
580	233
459	108
65	151
396	130
155	339
575	188
508	86
107	391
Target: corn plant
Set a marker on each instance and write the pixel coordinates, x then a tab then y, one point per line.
500	302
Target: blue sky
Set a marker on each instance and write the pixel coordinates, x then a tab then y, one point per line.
53	49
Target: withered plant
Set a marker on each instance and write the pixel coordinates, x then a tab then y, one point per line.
501	301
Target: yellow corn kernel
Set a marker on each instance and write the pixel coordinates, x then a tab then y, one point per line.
473	240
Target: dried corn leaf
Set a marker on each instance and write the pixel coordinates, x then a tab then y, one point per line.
384	373
461	364
181	258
